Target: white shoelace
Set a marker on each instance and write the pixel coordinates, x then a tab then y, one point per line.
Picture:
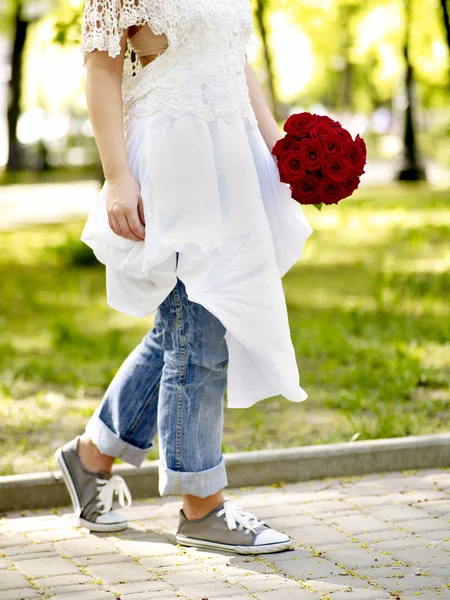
235	514
107	488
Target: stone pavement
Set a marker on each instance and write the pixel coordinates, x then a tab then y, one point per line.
360	538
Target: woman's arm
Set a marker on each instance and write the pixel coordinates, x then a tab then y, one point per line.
104	101
266	121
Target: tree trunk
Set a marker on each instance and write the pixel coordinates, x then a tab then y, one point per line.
446	17
15	153
260	14
412	168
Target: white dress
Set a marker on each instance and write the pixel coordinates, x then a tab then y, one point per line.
210	189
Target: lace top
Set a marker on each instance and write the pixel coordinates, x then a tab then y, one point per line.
203	69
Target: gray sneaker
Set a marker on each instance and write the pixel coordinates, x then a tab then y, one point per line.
92	493
229	527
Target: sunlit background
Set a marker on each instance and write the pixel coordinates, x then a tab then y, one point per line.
369	301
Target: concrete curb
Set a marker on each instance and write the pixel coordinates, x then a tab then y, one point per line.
260	467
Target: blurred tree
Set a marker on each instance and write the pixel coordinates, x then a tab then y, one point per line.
22	14
412	168
261	11
15	151
446	17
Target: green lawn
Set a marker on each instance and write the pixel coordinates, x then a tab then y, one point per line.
369	314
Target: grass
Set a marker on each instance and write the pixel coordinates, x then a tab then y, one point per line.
369	316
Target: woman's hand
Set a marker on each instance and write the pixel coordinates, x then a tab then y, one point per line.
125	209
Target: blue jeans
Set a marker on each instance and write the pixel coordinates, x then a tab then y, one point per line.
172	384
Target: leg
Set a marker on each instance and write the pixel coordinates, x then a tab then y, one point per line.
190	411
190	425
125	424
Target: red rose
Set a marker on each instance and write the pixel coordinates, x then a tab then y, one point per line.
300	124
284	145
346	136
328	121
355	157
305	189
337	169
290	167
330	192
334	145
362	146
312	154
350	185
321	130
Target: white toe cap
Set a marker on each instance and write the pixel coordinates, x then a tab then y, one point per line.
110	518
270	536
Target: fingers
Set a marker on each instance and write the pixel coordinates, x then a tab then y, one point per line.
141	212
126	230
114	224
135	225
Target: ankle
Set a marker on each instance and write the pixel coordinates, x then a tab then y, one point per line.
195	507
91	458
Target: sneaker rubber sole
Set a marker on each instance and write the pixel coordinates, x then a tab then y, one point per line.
99	527
263	549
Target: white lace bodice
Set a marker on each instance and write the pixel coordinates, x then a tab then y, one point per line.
202	71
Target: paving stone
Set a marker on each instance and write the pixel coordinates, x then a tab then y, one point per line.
435	570
29	549
143	549
398	513
339	583
439	535
79	588
309	568
20	594
211	590
12	580
422	556
119	573
266	583
358	523
289	594
89	545
427	595
254	566
400	544
55	535
284	510
191	577
40	523
378	572
159	562
158	586
150	596
421	525
379	536
41	567
356	558
100	559
291	521
12	539
409	582
328	507
85	595
318	535
361	595
58	581
298	553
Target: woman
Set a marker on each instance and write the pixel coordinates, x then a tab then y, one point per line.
194	223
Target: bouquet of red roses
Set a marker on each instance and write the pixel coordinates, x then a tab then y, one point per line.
319	159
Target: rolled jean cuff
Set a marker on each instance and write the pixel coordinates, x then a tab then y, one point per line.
198	483
111	444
